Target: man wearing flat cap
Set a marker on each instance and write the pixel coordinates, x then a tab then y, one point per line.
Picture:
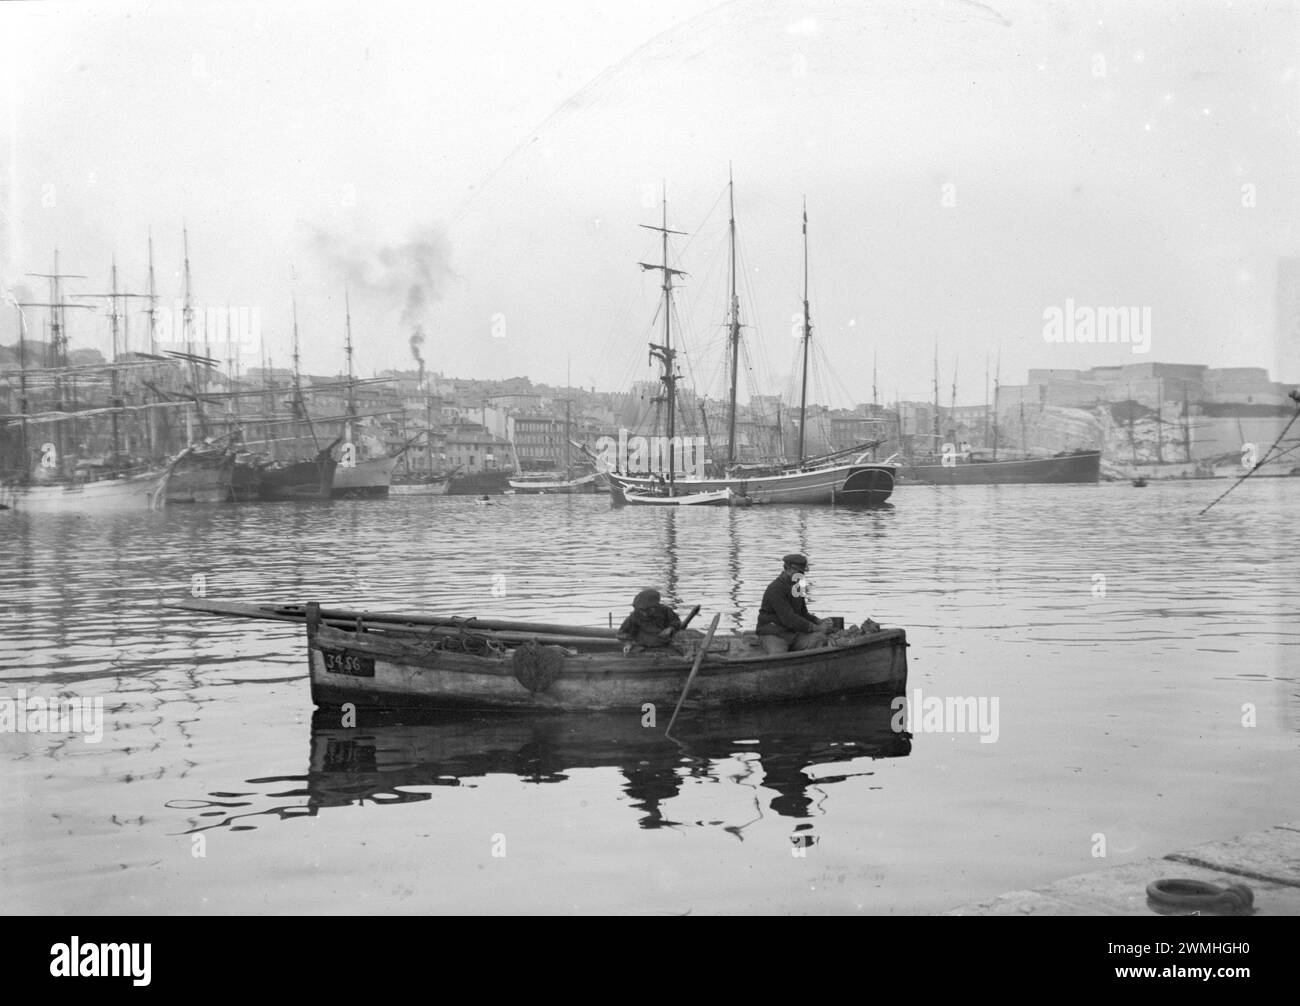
784	621
650	624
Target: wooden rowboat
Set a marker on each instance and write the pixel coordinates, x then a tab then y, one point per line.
621	495
382	660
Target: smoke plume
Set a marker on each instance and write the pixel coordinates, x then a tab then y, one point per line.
413	273
416	341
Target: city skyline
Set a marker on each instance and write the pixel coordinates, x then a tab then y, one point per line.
484	177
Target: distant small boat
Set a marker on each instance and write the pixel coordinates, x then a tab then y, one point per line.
418	484
555	483
1140	482
620	495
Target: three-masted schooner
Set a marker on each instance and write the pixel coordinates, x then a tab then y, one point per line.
822	479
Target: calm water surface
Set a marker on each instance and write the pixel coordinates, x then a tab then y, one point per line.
1144	663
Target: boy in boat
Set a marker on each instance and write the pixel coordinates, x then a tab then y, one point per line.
784	621
651	624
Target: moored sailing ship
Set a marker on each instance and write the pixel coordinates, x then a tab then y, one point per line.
812	480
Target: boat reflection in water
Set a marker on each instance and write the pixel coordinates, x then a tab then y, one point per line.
390	760
379	760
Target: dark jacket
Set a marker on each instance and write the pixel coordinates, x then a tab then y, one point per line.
782	613
644	625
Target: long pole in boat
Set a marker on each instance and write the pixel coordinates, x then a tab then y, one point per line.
735	327
807	335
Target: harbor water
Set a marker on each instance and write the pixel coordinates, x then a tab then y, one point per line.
1130	671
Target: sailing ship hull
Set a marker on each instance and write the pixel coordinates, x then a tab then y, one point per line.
372	477
137	492
478	483
202	477
1082	467
874	484
301	480
245	482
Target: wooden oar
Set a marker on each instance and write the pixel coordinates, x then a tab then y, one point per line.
298	613
699	659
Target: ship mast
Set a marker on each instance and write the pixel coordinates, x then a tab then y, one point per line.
735	327
807	335
352	385
953	413
299	406
934	446
665	353
115	315
997	386
187	319
1160	420
59	342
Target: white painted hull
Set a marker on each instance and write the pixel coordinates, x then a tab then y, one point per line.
138	492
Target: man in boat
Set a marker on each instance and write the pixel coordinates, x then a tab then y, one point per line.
784	621
651	624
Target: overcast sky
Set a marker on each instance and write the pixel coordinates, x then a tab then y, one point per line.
480	170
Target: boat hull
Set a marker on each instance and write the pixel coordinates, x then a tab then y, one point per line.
301	480
372	477
245	482
558	487
435	487
623	496
202	477
819	485
137	492
384	671
1073	468
478	483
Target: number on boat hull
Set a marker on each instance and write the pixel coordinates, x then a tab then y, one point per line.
342	662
